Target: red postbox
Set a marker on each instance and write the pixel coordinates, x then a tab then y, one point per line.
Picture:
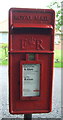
31	53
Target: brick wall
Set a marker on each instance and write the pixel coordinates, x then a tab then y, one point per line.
57	46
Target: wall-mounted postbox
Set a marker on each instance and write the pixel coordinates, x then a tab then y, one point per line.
31	52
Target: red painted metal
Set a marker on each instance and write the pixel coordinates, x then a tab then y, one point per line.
31	31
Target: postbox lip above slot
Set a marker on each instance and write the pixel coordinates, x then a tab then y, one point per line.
31	26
